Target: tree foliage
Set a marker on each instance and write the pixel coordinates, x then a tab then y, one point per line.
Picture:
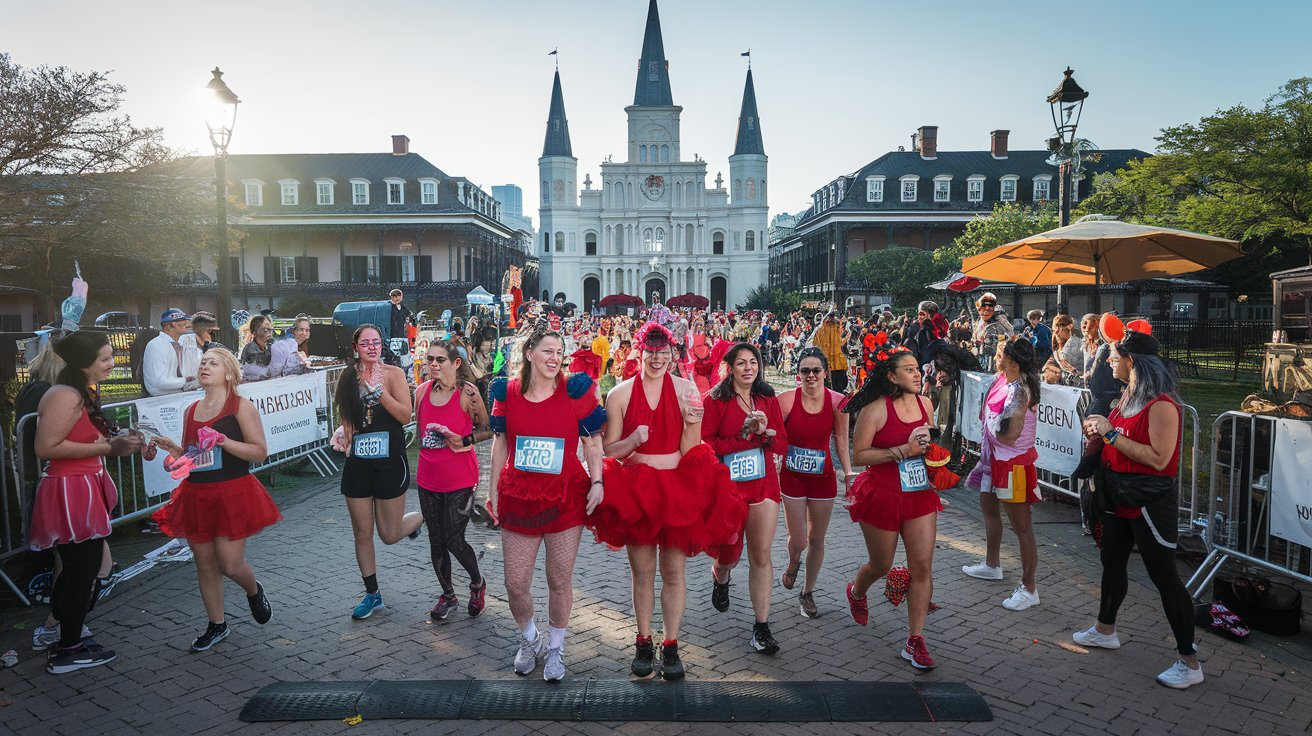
1009	221
771	300
902	273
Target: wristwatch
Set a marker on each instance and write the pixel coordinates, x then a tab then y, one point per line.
467	440
1110	437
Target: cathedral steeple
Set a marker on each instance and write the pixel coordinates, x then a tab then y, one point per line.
749	123
653	86
557	140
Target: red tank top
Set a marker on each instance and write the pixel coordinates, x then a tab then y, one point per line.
444	469
231	467
895	432
83	431
812	431
1136	429
664	423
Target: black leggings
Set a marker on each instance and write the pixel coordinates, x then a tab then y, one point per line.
1118	536
70	597
447	515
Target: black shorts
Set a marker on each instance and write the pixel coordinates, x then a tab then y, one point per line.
378	480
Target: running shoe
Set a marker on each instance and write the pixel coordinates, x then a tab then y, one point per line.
857	606
367	605
444	606
44	637
1180	675
983	571
526	659
477	599
61	661
553	669
918	654
807	604
1091	637
671	665
762	641
643	658
1021	599
412	536
261	611
719	592
214	633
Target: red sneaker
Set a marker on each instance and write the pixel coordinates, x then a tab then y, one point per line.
860	613
477	599
917	654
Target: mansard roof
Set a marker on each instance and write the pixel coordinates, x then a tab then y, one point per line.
653	85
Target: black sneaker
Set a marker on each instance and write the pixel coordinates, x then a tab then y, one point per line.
60	661
762	640
719	593
261	611
671	665
214	633
644	659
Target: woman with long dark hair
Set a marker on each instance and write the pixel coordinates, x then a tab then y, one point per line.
373	402
744	426
538	489
74	499
452	418
807	482
1137	502
1005	475
893	498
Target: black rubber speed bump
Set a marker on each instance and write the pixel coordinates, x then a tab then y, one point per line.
618	700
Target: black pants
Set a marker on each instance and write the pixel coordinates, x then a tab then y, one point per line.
838	380
447	515
70	597
1156	526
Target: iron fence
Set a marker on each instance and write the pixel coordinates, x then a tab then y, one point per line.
1219	346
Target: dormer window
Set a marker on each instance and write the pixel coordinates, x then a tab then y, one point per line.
942	188
1008	192
395	191
254	192
359	191
291	192
428	191
975	188
323	191
1042	187
910	186
874	189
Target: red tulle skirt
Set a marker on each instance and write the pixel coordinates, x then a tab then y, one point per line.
540	503
693	507
73	508
886	507
200	512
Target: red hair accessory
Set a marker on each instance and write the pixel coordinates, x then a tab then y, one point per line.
869	341
882	355
936	459
643	337
881	337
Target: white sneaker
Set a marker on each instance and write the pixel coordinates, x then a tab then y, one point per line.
526	659
1180	675
45	637
1091	637
983	571
1021	599
553	669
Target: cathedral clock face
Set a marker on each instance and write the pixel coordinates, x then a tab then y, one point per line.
653	187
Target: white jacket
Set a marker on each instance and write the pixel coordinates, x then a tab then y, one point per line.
159	366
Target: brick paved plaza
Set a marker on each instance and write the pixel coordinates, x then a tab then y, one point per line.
1017	660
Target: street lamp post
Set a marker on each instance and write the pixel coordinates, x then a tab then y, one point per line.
1066	103
221	115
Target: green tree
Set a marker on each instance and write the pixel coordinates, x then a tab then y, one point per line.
902	273
1009	221
771	300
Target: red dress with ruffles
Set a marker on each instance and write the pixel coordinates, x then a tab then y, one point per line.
693	507
877	495
226	501
75	497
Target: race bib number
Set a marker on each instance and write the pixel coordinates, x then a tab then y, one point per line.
540	454
208	461
746	465
372	446
913	474
805	460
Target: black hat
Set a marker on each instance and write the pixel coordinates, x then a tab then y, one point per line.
80	349
1138	343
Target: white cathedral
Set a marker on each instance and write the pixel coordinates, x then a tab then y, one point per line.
653	225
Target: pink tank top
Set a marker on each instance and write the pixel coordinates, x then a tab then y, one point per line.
444	470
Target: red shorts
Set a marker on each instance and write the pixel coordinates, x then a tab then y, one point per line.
886	508
808	487
1016	479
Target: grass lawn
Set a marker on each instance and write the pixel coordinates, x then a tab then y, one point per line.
1212	398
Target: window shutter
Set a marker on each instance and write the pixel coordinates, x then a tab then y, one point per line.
425	269
391	269
270	270
311	274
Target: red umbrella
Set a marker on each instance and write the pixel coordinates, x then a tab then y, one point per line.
963	283
689	301
619	300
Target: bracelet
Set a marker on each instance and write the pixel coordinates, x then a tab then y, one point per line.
467	440
1110	437
597	483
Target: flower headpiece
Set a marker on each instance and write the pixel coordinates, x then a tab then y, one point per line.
653	336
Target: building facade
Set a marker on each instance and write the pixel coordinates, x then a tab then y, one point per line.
651	224
511	197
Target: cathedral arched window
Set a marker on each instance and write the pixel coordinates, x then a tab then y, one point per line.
619	241
647	239
590	244
665	153
751	238
642	154
751	189
717	243
660	240
689	233
546	242
546	193
560	242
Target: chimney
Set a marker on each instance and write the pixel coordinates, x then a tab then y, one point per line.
928	137
998	144
400	145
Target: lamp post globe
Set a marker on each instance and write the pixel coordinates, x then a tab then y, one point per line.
220	117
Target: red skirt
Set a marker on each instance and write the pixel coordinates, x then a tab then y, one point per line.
693	507
73	508
201	512
886	507
538	503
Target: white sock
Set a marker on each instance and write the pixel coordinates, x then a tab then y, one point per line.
531	631
557	638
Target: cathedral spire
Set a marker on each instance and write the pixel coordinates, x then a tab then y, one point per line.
557	140
653	87
749	123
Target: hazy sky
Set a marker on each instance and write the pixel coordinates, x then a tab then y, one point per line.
838	83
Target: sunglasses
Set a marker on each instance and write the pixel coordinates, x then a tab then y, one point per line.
811	371
439	359
370	343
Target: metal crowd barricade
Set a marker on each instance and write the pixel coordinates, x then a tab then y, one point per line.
12	537
1237	520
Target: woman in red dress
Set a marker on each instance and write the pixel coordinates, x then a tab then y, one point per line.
220	503
667	498
893	497
539	491
744	426
806	480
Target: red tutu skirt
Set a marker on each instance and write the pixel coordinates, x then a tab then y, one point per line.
540	503
73	508
885	507
200	512
694	507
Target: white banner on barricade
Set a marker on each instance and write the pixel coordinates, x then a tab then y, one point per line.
1058	437
1291	485
289	409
